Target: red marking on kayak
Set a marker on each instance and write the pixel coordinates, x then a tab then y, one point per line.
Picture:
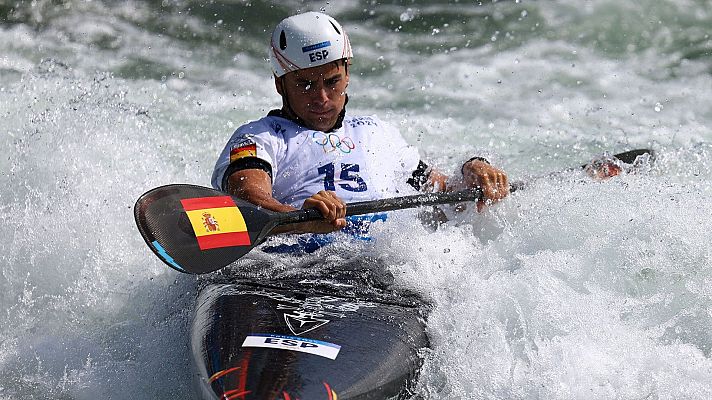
222	373
330	392
286	396
244	365
233	394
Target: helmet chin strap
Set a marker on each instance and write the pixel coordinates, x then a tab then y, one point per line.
289	113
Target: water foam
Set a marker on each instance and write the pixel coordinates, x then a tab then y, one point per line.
570	289
601	291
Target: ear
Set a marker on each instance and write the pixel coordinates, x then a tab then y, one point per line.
347	64
278	85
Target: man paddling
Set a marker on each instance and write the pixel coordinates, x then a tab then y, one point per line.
312	154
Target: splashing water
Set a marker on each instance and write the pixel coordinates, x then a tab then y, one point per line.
569	289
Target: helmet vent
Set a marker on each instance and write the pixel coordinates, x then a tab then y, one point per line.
335	28
283	41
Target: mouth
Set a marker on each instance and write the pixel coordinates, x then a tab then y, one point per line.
321	113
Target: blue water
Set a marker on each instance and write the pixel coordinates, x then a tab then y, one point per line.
569	289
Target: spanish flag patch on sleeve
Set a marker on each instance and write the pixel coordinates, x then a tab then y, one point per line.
246	148
217	222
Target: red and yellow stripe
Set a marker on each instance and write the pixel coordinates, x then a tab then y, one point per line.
222	373
217	222
234	394
249	150
330	392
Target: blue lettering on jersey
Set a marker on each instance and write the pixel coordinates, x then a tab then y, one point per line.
278	129
361	121
349	173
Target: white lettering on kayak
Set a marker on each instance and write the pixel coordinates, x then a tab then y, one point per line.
293	343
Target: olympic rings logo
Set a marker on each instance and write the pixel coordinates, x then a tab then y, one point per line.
332	142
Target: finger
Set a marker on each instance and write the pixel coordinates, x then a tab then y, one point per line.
328	205
340	210
498	188
340	223
491	192
496	191
487	185
324	209
339	207
500	185
484	180
323	205
505	181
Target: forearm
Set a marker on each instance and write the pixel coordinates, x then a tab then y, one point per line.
259	197
255	187
265	200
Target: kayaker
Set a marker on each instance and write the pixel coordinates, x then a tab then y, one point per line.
312	154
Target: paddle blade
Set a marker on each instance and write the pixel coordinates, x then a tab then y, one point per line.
630	156
196	229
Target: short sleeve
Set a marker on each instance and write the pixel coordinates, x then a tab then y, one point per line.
254	140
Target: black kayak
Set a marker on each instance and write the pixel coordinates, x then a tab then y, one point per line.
306	338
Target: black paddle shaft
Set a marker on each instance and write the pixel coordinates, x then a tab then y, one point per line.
384	205
422	200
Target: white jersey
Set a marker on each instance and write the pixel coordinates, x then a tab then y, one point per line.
365	159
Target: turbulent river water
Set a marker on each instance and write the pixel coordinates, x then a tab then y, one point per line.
570	289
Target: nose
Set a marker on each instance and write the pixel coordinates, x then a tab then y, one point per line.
320	94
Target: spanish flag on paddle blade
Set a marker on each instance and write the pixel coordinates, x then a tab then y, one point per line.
217	222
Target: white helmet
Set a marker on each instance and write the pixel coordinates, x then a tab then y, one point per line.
307	40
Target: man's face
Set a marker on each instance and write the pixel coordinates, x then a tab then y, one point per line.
317	95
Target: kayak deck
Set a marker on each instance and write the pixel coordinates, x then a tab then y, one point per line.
288	341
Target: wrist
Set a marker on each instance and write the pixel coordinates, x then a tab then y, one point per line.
476	158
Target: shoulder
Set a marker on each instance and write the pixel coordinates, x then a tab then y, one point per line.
269	125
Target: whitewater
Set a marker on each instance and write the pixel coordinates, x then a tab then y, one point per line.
570	289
